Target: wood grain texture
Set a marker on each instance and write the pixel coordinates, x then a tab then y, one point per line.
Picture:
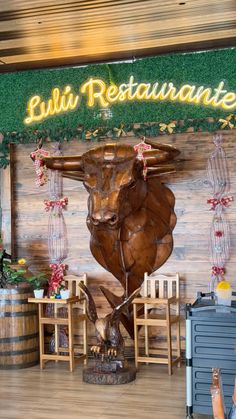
6	198
18	329
68	397
47	33
190	256
153	395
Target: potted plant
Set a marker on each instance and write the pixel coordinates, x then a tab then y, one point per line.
37	282
13	277
13	274
64	292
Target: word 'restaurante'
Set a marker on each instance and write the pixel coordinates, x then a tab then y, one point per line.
99	93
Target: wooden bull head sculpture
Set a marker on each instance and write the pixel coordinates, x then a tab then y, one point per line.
130	219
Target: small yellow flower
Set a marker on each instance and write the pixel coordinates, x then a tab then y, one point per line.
21	261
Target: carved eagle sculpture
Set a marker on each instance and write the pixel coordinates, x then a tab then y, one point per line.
108	333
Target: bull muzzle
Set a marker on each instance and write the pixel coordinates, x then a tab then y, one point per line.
109	218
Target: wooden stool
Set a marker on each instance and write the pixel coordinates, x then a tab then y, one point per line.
160	291
79	312
56	320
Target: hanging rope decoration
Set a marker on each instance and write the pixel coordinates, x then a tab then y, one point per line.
57	234
140	148
219	180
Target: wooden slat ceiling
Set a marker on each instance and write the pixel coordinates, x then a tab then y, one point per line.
45	33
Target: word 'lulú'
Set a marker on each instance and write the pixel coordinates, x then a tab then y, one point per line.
99	93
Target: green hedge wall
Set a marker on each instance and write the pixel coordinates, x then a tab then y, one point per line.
199	68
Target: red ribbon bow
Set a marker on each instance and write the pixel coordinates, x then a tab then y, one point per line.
60	203
224	202
217	270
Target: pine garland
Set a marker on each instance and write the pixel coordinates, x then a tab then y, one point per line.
83	133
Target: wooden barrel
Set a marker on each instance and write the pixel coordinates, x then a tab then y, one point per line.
19	342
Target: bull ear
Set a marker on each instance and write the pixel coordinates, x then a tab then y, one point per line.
159	153
64	163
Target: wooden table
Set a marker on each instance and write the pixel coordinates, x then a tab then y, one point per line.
56	320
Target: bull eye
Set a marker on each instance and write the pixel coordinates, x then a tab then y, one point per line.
123	178
132	184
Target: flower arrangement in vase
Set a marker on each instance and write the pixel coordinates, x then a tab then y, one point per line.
11	275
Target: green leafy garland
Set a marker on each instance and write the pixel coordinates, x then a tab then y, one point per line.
83	133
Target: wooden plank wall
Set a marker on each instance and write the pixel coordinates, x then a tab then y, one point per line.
6	205
190	256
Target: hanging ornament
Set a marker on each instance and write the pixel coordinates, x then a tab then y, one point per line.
224	202
88	135
140	148
226	122
61	203
119	132
167	127
218	270
219	233
218	179
40	168
57	242
57	234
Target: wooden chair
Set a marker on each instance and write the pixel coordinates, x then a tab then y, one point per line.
71	282
161	308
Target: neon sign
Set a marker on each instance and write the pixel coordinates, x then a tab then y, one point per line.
103	95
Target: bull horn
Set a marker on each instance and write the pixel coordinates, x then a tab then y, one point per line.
160	170
160	153
64	163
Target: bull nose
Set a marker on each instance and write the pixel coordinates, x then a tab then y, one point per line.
113	219
95	221
107	218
